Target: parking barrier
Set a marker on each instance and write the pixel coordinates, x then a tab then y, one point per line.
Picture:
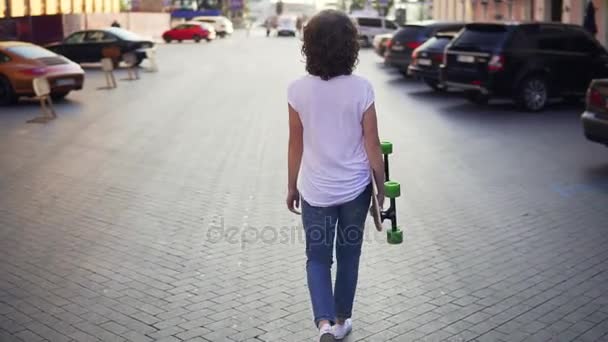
42	89
151	54
107	66
132	69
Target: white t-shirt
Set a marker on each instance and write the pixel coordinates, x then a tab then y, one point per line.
334	168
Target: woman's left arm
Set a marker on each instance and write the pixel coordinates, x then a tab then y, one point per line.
294	159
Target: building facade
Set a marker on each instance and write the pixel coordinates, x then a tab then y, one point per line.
568	11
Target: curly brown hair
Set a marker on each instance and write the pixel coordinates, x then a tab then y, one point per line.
330	45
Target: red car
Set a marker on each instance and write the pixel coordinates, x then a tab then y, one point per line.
188	31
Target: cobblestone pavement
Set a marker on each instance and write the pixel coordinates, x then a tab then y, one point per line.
155	212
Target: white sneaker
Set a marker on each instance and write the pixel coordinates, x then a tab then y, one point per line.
325	334
341	330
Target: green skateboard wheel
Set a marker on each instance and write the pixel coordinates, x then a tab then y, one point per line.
392	189
386	147
394	236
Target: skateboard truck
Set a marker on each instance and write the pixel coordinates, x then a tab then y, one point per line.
392	190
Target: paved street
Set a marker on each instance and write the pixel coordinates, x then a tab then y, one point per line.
155	212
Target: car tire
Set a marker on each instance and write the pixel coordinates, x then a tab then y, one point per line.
533	94
477	97
179	40
116	62
433	84
197	39
7	93
208	40
167	40
59	96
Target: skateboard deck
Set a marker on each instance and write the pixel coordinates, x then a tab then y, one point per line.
375	209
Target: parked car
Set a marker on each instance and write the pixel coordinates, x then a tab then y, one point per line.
595	117
528	62
380	42
286	26
88	46
223	26
369	27
187	31
21	62
410	37
427	59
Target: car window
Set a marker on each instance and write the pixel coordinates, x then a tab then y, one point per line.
390	25
31	51
578	41
483	37
436	43
4	58
180	27
552	39
94	37
410	33
75	38
369	22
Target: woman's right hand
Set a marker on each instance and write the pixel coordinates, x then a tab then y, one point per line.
293	201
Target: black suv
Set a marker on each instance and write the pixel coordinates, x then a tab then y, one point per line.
529	62
409	37
427	59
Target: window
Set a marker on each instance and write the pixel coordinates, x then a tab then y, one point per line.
4	58
369	22
76	38
181	27
390	25
31	51
482	36
552	39
579	41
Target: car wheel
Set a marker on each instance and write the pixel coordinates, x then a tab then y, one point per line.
179	40
7	94
533	93
208	40
433	84
116	62
477	97
197	39
167	39
59	96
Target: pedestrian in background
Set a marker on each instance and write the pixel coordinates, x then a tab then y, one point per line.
333	145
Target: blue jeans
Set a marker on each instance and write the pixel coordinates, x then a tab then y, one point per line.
320	228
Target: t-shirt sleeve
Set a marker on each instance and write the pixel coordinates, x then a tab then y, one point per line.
368	96
292	97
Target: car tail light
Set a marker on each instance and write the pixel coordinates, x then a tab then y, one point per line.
413	45
497	63
389	43
34	71
595	98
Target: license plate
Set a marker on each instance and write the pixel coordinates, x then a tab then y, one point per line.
398	48
424	61
465	59
65	82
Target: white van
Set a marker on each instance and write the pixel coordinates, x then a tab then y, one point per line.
223	26
369	27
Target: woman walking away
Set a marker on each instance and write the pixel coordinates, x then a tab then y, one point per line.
333	143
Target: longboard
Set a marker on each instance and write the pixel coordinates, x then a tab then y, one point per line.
375	209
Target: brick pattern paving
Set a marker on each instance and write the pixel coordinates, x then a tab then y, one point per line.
155	213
